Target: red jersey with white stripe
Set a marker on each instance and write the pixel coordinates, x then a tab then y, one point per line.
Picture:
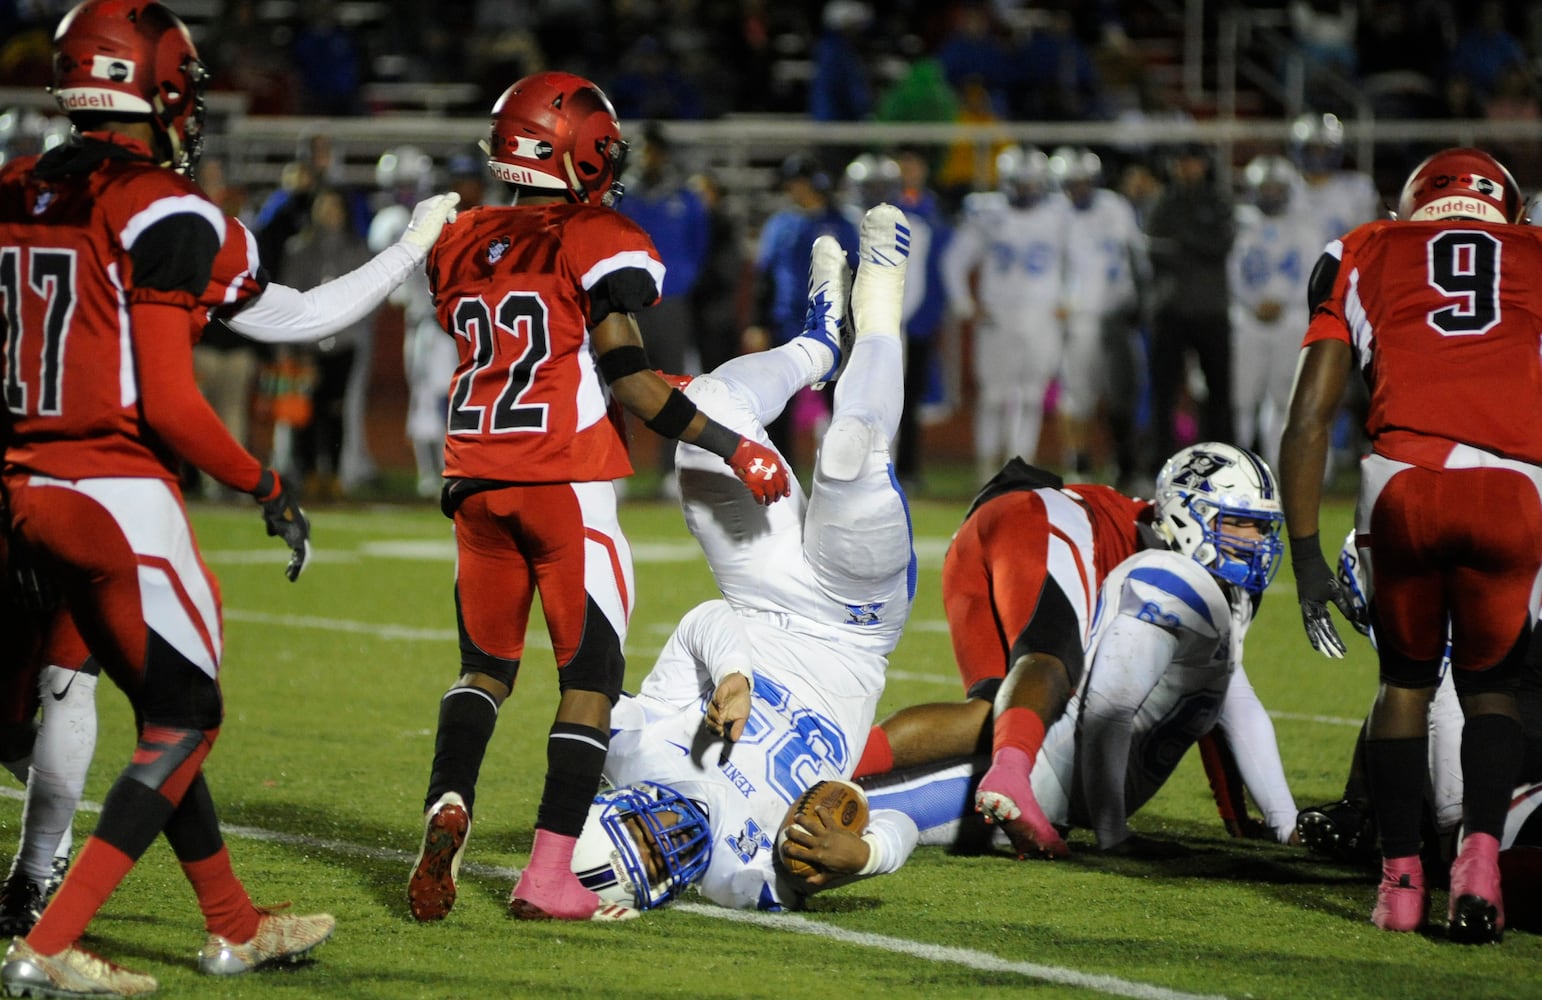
1445	319
237	274
69	243
519	289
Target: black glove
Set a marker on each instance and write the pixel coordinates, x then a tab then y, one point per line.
1316	587
285	519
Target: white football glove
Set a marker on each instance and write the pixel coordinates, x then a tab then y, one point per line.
429	216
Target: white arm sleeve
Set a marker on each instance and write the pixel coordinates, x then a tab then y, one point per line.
716	638
890	836
284	315
1131	658
1251	734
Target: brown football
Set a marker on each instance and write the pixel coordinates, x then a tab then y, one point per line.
847	806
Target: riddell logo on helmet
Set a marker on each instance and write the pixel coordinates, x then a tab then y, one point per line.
90	100
112	68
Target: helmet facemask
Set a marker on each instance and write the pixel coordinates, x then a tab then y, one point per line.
642	846
1202	494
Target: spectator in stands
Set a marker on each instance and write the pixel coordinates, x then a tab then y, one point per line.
781	280
329	61
1485	49
972	53
1190	232
925	308
326	249
921	95
716	296
673	216
1325	32
1051	75
840	91
650	86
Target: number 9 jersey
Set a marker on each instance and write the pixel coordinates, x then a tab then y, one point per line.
519	289
1456	311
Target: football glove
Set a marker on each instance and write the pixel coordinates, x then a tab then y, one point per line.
429	216
1316	588
762	470
285	520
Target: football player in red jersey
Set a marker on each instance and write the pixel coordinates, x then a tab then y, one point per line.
106	254
1019	585
540	297
1440	313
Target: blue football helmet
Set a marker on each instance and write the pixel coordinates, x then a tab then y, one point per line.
1356	583
642	845
1205	483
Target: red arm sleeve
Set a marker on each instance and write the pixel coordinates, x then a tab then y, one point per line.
172	405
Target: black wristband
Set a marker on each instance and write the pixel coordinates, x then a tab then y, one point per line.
266	485
1306	547
619	362
717	439
673	417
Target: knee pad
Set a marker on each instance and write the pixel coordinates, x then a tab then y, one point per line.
598	663
846	446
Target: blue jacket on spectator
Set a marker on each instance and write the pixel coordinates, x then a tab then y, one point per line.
783	260
676	220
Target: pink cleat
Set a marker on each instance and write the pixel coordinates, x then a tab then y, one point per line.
1477	910
1402	901
1006	797
548	890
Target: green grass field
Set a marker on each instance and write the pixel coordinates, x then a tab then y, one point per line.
332	687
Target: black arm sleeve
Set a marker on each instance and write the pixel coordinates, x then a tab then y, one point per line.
175	254
628	290
1320	285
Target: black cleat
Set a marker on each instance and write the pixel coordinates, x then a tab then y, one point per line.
21	904
1475	920
1338	830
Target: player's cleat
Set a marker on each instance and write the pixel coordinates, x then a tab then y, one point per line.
1005	797
824	324
431	890
1338	830
1477	909
71	973
280	938
1402	900
61	868
531	900
21	904
878	291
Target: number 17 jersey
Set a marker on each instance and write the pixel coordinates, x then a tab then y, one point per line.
519	289
1445	319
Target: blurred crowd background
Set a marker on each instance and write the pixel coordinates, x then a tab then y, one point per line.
324	115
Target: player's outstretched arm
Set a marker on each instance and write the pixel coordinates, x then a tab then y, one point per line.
618	350
1320	378
284	315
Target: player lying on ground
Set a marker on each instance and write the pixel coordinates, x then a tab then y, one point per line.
760	695
1164	664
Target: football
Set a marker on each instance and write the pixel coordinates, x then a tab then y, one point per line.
847	805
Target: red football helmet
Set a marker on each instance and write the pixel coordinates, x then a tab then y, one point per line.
1461	183
132	60
558	131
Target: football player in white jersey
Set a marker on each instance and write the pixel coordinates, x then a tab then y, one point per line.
1164	668
1014	241
1106	263
1270	264
429	357
759	695
1339	199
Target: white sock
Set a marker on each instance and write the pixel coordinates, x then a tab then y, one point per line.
768	379
60	759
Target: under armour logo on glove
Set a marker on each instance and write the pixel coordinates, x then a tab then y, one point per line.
762	470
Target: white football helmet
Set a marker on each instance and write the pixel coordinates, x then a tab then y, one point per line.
1317	142
1356	583
1204	483
609	859
872	178
1269	181
1022	174
405	168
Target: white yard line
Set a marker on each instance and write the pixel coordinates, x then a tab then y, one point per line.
788	922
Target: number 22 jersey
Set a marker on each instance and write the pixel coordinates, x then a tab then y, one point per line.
519	289
1445	319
